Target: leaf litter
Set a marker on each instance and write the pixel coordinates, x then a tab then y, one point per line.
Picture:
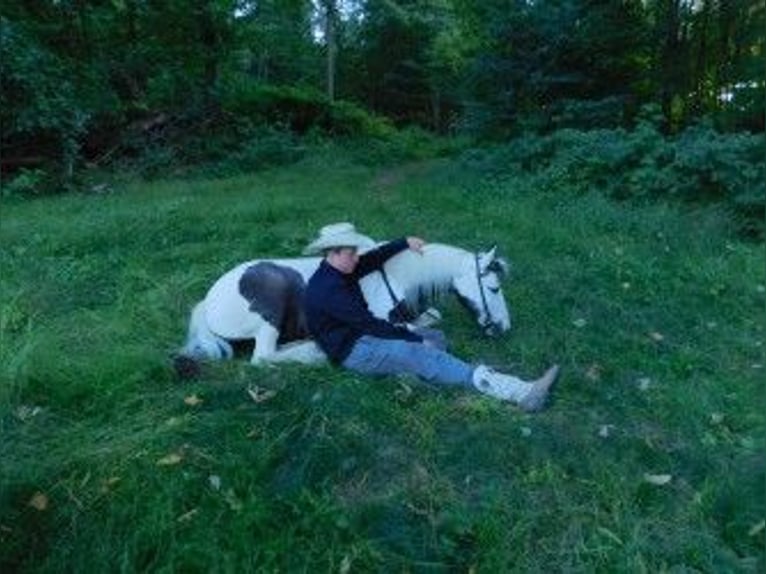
658	479
260	395
39	501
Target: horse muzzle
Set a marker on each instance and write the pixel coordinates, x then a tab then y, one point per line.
493	330
496	328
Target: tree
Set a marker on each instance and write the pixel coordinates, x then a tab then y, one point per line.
393	44
275	44
330	19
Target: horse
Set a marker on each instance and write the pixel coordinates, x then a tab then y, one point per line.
261	300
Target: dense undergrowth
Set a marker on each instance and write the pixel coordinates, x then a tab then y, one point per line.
649	459
699	166
256	129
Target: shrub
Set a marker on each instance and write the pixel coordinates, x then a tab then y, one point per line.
265	147
296	108
301	110
26	182
700	165
581	114
46	99
349	119
407	144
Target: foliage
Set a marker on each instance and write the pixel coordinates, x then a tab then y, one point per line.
302	111
539	57
410	144
78	75
220	145
264	147
685	56
46	102
221	87
25	182
259	127
394	42
609	112
275	44
653	314
296	109
708	59
348	119
698	166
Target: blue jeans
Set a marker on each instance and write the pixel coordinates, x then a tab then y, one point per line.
374	356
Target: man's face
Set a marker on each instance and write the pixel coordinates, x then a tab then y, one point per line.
344	259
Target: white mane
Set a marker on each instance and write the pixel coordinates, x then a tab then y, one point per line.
428	275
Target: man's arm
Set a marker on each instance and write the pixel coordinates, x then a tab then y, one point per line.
374	259
359	317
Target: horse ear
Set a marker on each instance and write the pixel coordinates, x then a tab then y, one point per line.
485	259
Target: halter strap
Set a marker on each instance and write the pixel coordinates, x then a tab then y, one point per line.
400	312
488	321
391	293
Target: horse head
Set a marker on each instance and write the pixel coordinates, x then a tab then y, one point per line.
478	288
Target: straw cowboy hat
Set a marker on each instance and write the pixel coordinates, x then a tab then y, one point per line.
338	235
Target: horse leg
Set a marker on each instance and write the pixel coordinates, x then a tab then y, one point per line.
265	344
427	318
306	352
201	342
266	350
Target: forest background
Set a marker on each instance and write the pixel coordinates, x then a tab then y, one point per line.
647	97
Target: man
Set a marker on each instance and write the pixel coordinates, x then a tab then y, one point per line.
342	325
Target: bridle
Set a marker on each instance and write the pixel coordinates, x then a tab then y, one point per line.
401	313
488	321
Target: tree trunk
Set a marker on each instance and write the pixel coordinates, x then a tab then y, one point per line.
702	86
669	54
436	109
211	43
330	40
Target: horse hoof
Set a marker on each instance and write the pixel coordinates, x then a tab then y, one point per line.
186	367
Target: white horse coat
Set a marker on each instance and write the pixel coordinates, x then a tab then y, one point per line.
262	300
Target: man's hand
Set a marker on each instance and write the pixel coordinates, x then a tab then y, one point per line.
430	343
416	244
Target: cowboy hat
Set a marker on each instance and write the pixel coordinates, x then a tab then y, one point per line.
338	235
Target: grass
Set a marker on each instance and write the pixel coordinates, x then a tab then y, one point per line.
656	317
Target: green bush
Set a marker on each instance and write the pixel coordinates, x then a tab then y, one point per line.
404	145
350	119
296	108
265	147
210	142
47	102
582	114
26	182
301	110
699	165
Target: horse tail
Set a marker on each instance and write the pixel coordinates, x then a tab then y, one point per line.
201	344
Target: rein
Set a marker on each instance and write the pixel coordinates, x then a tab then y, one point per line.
400	313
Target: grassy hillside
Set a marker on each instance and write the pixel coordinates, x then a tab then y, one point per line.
651	457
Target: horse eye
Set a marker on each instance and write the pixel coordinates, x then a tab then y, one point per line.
494	289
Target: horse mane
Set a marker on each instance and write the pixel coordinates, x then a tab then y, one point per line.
426	277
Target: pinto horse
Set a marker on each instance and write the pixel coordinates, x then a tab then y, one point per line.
262	300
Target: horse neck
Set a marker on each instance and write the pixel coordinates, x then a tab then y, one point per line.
432	272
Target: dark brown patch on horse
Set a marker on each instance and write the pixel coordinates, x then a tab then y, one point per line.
276	293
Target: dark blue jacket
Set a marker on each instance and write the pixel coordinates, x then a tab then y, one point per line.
336	312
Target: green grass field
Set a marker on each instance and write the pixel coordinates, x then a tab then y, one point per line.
650	458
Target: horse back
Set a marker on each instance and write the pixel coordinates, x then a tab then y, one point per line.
255	292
